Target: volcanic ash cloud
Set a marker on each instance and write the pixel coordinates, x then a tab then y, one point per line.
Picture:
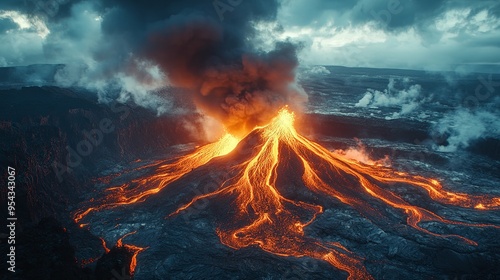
240	88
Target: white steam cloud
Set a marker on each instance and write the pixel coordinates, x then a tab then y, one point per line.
88	57
142	85
361	154
408	98
462	127
314	70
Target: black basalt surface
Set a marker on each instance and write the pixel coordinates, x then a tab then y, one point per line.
186	246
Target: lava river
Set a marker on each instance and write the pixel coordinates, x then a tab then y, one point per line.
261	212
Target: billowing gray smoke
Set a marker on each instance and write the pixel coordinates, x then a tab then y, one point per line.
203	47
240	88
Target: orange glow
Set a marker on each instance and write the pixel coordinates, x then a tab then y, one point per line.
135	251
264	217
103	243
138	190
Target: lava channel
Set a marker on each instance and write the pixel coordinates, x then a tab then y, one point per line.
261	215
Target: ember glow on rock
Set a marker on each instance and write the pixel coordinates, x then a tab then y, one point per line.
138	190
133	248
260	214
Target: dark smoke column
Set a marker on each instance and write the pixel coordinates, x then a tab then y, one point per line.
212	58
241	89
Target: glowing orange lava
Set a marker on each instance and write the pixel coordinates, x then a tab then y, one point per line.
138	190
266	218
135	251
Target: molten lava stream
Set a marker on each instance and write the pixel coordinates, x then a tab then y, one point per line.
135	250
139	189
274	222
266	218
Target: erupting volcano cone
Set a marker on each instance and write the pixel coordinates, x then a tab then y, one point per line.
278	182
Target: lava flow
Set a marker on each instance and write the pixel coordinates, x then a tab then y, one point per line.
138	190
133	249
263	214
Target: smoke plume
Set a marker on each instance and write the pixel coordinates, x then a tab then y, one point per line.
137	50
229	82
408	98
204	48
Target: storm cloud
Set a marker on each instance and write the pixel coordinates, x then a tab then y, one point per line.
430	35
135	49
129	50
203	47
439	35
388	14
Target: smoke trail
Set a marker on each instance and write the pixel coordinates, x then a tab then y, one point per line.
225	78
135	49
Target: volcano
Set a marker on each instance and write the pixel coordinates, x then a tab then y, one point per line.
268	189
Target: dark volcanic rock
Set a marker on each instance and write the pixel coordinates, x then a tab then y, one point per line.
474	264
40	122
40	126
43	252
115	264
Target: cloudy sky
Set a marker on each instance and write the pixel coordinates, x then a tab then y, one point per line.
392	33
423	34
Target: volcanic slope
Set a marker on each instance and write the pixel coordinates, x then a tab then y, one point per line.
275	184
